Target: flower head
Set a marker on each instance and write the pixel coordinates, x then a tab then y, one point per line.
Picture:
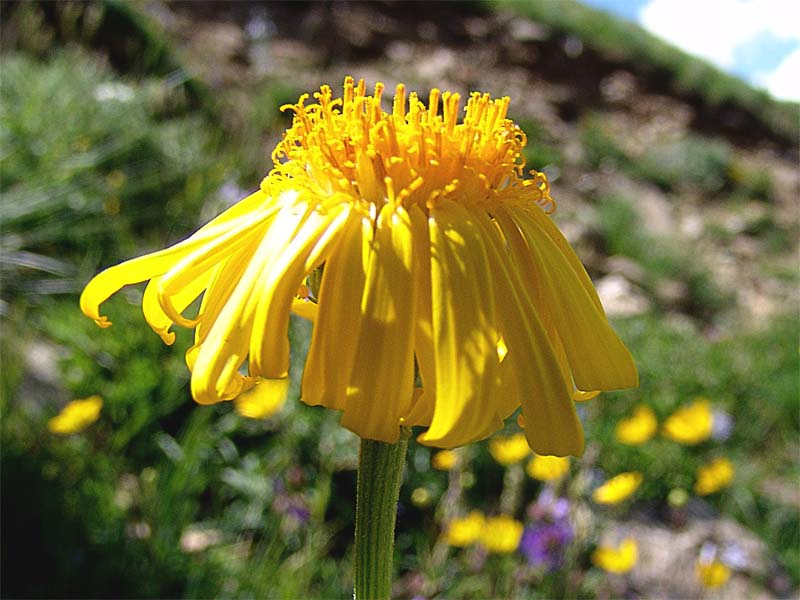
432	249
620	559
509	450
544	544
638	428
618	488
76	416
463	531
501	535
444	460
712	574
690	424
547	468
714	476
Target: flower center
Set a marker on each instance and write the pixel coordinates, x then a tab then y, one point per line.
415	155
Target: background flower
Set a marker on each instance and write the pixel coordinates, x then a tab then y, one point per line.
618	488
501	535
617	559
508	450
638	428
547	468
76	416
690	424
714	476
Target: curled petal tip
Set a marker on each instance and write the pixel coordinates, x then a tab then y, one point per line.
103	322
167	336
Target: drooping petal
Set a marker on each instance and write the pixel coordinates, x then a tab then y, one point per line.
136	270
204	259
294	253
597	358
547	225
551	425
382	377
332	351
421	412
263	400
155	316
464	334
216	374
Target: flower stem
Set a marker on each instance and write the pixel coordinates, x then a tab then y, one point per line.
380	472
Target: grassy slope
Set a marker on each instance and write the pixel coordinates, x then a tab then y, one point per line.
622	41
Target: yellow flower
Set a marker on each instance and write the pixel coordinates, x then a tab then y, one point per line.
547	468
501	535
263	400
617	560
690	424
713	574
639	428
509	450
463	531
76	416
618	488
444	460
435	249
714	476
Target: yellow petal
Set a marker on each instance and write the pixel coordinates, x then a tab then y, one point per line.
263	400
382	376
421	412
551	425
464	334
546	224
305	308
155	316
216	374
597	358
332	350
111	280
294	251
201	261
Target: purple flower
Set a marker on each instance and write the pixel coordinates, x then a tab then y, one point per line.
543	544
548	506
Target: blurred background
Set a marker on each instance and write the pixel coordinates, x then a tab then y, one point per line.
125	125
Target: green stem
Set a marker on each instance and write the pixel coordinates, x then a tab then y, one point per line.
380	472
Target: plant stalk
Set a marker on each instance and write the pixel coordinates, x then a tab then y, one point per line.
380	473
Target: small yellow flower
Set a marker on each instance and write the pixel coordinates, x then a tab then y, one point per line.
509	450
437	252
76	416
463	531
714	476
501	535
638	428
444	460
263	400
617	560
618	488
547	468
690	424
712	574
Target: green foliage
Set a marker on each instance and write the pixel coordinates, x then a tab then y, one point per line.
691	162
91	161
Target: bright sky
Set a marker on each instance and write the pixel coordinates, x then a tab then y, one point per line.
758	40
